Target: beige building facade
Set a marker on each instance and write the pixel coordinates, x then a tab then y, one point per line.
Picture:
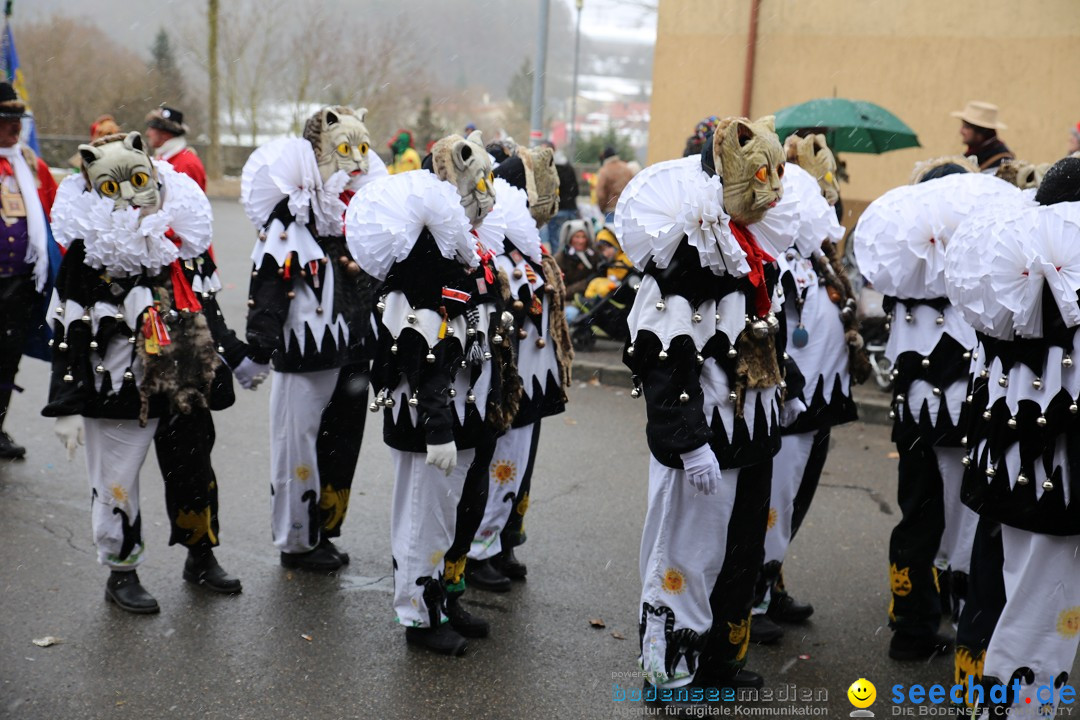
919	59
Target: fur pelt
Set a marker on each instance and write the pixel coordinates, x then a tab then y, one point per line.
925	166
503	409
837	279
558	329
184	369
757	366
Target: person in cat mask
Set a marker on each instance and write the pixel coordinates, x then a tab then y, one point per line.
432	368
824	346
27	190
544	354
133	346
705	352
1020	458
309	317
900	244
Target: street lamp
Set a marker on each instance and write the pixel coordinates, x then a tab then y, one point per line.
536	134
573	98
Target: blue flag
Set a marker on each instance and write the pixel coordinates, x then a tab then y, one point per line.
14	75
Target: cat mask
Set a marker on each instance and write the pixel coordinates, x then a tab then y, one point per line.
340	140
117	167
813	155
464	163
541	182
750	161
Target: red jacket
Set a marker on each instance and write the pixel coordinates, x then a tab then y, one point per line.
187	162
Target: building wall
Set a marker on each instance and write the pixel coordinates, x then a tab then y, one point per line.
920	59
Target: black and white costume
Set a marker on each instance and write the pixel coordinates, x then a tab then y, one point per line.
900	245
432	370
309	318
702	352
137	337
1013	270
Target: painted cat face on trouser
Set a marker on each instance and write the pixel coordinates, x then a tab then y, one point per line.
465	163
748	157
541	182
343	141
121	171
813	155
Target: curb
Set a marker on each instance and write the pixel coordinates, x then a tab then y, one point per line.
873	406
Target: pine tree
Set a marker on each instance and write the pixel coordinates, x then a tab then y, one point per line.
428	129
167	81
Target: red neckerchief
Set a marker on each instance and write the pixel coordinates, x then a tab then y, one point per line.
486	258
183	296
756	258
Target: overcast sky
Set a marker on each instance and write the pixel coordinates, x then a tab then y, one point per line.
617	18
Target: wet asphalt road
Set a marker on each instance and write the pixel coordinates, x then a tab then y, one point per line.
295	645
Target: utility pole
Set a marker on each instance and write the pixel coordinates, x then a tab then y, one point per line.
536	134
214	169
573	97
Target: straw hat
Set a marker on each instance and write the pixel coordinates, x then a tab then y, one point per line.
980	114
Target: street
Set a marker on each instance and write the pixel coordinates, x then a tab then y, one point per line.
294	645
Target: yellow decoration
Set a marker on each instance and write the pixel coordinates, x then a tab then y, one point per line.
504	472
198	523
967	668
773	515
436	557
302	472
674	582
335	502
739	634
119	494
453	571
1068	624
523	505
898	578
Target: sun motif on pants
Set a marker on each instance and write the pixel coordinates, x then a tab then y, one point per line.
773	515
303	473
674	582
504	472
119	494
1068	624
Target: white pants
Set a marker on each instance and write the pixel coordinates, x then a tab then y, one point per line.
789	465
1039	629
507	468
115	451
297	401
960	520
683	545
422	519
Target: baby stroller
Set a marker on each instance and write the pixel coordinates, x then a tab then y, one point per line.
604	317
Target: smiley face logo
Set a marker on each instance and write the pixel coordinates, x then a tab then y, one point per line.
862	693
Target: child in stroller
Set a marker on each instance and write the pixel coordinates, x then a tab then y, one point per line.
601	310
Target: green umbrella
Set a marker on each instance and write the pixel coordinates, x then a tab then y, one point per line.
849	125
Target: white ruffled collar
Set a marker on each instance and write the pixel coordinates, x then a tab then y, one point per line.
123	243
668	201
802	217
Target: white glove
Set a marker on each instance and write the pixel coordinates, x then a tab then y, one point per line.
702	469
250	373
69	428
792	409
442	456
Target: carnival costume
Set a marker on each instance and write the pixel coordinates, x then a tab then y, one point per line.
1013	270
900	245
412	232
137	334
310	317
703	351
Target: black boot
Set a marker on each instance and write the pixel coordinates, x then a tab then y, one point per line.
508	565
443	639
201	568
321	560
9	449
342	555
786	609
764	631
464	622
741	678
482	574
905	646
124	589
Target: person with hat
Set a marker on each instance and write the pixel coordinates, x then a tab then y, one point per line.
611	178
27	190
104	125
979	133
405	156
165	130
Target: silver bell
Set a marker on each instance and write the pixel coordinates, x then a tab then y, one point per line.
732	352
760	329
93	345
662	355
900	397
411	319
99	369
991	471
497	339
926	362
696	318
1022	479
373	407
909	317
1011	422
684	397
413	402
966	460
470	332
62	346
69	378
430	357
967	356
937	392
470	398
660	305
772	323
128	375
892	414
449	331
380	306
453	392
1037	384
1041	421
393	348
86	318
635	393
1003	381
630	350
1073	408
700	359
733	396
1048	485
487	355
1066	361
986	415
940	320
